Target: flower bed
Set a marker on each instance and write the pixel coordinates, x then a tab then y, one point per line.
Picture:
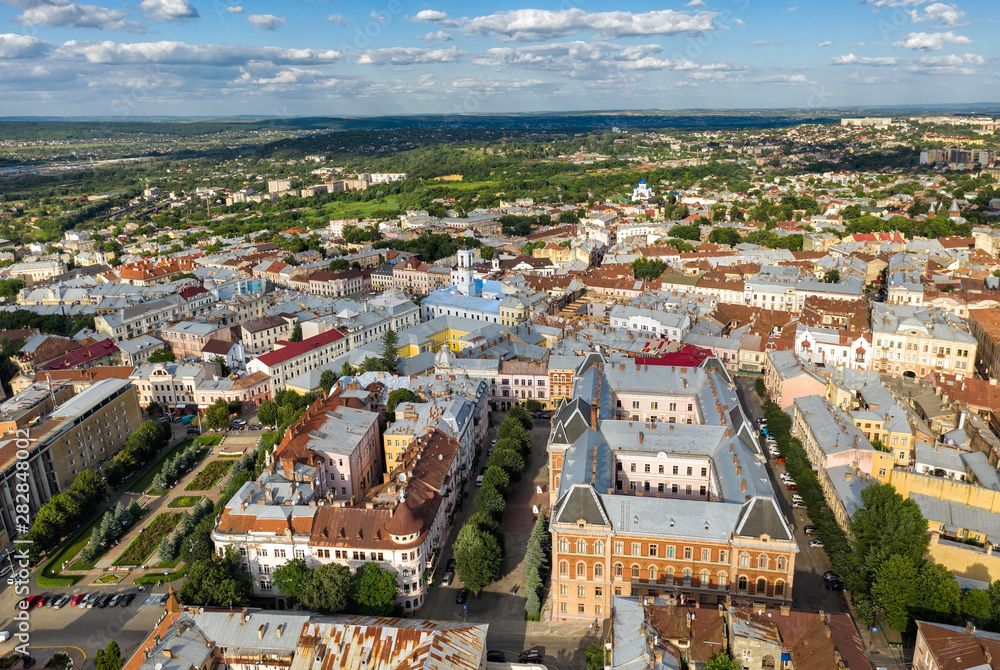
148	541
185	501
110	578
209	476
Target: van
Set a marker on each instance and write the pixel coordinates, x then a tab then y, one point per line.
4	635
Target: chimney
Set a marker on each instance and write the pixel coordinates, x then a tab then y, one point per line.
969	628
593	413
640	437
260	631
743	485
786	610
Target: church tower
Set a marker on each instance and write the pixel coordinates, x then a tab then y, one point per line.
466	283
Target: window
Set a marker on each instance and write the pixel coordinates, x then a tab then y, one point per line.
721	579
564	568
706	555
619	547
581	592
741	585
670	552
653	405
652	573
562	607
704	472
779	588
279	553
746	655
689	471
675	470
581	547
580	608
687	576
761	586
652	550
618	590
618	569
581	570
723	556
631	468
762	562
563	544
636	549
598	547
744	560
598	571
635	571
703	578
661	469
688	553
646	468
635	404
781	562
687	489
563	590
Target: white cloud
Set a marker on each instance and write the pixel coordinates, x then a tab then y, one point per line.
266	21
61	14
437	36
338	19
827	43
879	61
947	15
530	25
169	10
792	9
408	56
179	53
857	44
13	46
696	3
931	41
948	64
234	9
374	15
894	3
785	79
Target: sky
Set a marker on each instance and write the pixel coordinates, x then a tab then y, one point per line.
335	58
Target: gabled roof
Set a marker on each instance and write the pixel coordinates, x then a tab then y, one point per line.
581	503
760	516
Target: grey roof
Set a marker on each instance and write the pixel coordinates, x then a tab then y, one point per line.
581	503
833	430
985	474
955	515
761	516
672	517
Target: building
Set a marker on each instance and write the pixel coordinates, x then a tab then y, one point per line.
144	318
172	385
787	379
137	351
260	335
250	391
667	325
521	381
943	647
89	428
337	284
914	341
188	338
658	488
984	325
207	638
291	359
33	272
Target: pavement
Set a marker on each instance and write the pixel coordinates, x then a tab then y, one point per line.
809	591
563	644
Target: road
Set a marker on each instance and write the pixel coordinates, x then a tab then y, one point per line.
563	644
808	588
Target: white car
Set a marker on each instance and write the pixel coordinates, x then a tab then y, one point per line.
815	543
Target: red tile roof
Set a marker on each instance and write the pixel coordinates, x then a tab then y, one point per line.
292	349
82	356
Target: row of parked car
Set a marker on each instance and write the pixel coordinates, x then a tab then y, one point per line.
85	600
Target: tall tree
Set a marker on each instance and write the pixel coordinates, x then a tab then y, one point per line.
327	379
267	413
938	593
390	351
478	557
217	414
894	590
521	415
289	578
886	524
374	590
722	661
327	589
296	333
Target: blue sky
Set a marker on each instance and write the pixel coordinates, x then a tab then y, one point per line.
331	57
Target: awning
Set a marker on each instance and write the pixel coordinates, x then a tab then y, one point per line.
786	657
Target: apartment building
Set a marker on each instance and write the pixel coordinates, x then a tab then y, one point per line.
250	391
89	428
943	647
521	381
667	325
984	325
914	342
137	351
643	507
171	385
337	284
786	378
260	335
188	338
144	318
786	289
33	272
291	359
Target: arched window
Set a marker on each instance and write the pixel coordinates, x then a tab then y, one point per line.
581	547
767	663
703	578
598	570
618	569
779	587
564	568
762	562
670	574
558	479
722	579
581	570
652	573
687	576
598	547
744	560
563	544
741	584
782	562
635	571
761	586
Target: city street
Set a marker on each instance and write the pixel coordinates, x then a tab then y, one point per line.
562	643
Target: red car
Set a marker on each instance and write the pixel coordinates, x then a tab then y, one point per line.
779	459
75	600
41	601
792	487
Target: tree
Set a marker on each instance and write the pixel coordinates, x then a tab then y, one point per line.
109	658
520	414
497	478
162	356
327	379
513	430
374	590
536	566
761	388
223	365
339	265
595	657
976	607
326	589
938	593
894	590
221	582
886	524
267	413
727	236
478	557
296	333
491	502
510	460
831	277
533	406
686	232
722	661
648	269
398	396
390	351
487	253
217	414
290	576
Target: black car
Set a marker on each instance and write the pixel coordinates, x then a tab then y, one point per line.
104	600
462	595
192	431
450	566
495	657
830	576
533	655
127	600
835	585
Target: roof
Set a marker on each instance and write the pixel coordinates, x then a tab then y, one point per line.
958	648
80	357
292	350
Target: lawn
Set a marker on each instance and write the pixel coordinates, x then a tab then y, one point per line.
140	485
48	577
160	578
184	501
270	439
209	440
148	541
209	476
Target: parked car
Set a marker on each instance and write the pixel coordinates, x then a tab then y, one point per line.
92	600
61	602
785	477
461	596
192	431
765	431
114	600
75	600
104	600
835	585
815	543
41	601
798	503
127	600
831	576
791	486
809	530
450	565
544	417
4	635
761	420
21	604
479	480
780	459
533	655
448	578
495	657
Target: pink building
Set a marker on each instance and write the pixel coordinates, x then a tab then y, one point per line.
188	338
520	381
787	379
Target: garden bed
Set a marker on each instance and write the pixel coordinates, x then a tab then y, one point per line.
149	539
184	501
209	476
144	482
110	578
